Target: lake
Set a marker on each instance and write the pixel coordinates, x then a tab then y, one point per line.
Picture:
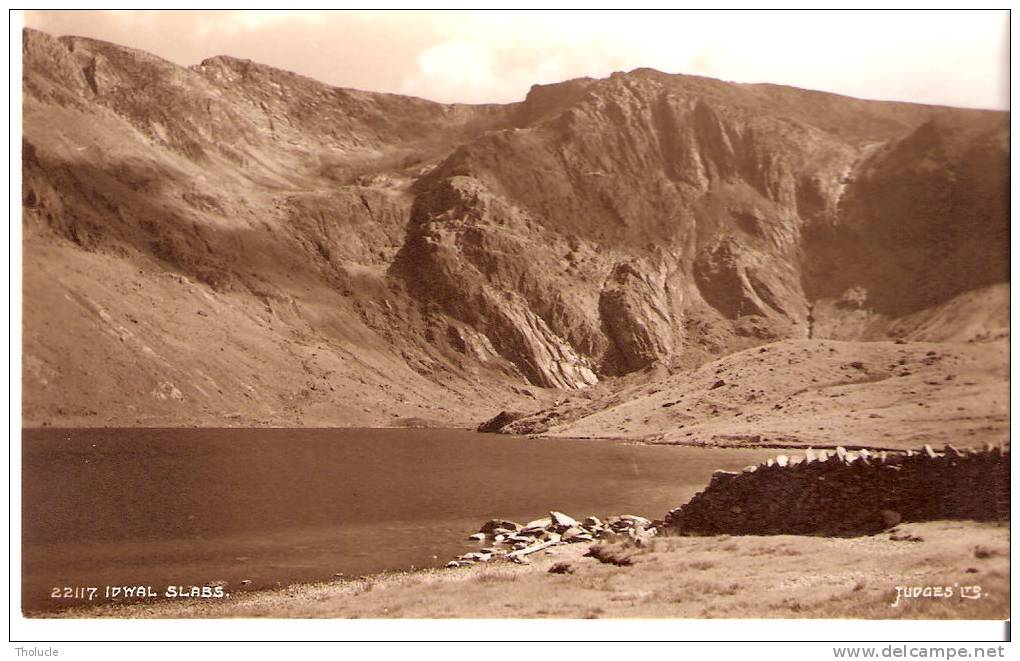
273	507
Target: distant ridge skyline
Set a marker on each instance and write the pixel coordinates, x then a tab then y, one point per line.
955	58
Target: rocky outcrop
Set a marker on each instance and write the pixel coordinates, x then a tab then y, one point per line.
466	253
850	492
499	421
637	317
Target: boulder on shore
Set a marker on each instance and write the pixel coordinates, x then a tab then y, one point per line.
573	533
561	520
502	419
636	520
492	526
537	524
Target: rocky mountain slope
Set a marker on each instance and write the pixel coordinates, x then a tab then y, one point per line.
234	244
804	393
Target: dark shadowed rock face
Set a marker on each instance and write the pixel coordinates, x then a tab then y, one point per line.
924	219
595	229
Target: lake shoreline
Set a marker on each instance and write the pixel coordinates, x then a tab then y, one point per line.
270	602
132	507
628	440
781	576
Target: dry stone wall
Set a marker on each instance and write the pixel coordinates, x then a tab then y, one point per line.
848	492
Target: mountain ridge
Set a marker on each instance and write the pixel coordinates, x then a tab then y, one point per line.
433	262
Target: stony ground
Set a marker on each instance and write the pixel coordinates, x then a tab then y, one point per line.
810	392
673	577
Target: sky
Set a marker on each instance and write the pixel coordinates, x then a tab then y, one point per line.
957	58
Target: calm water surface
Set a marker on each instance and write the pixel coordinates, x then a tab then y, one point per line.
186	507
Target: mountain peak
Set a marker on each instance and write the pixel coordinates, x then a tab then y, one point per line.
416	256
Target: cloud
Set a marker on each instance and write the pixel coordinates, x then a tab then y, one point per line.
456	68
956	58
256	20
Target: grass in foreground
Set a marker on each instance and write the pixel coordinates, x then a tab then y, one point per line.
673	577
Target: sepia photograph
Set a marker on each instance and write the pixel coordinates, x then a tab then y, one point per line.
684	316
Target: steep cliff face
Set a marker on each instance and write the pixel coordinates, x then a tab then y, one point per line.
730	197
420	261
925	218
448	261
